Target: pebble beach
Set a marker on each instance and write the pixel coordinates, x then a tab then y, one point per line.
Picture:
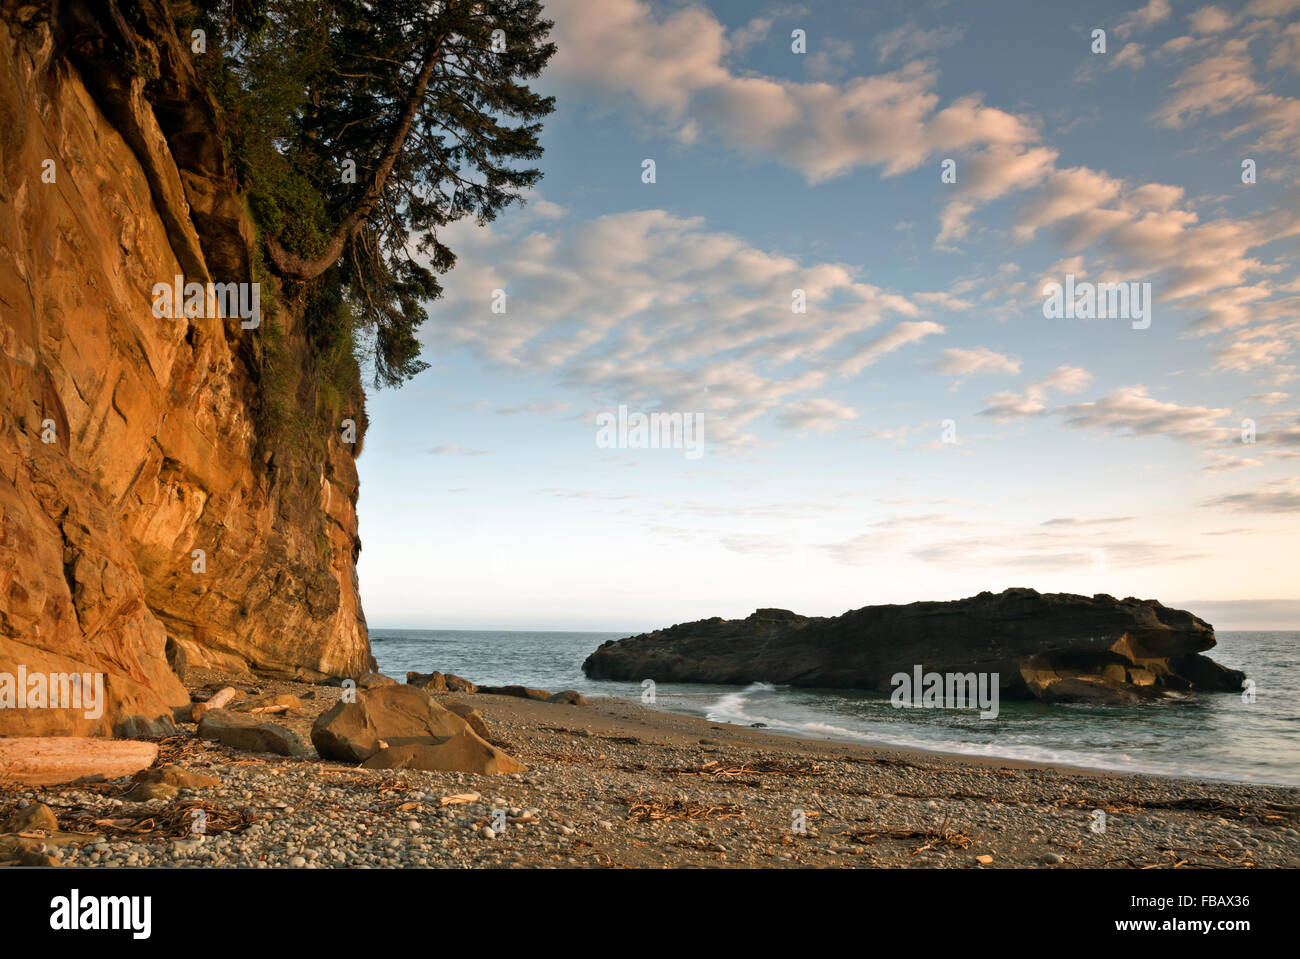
614	783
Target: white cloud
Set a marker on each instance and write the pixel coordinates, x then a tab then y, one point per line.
453	449
1006	405
988	175
1130	55
1144	18
1081	521
1133	411
959	362
1223	463
648	308
1226	82
742	38
674	64
819	414
871	351
1277	496
1212	19
830	61
911	40
538	406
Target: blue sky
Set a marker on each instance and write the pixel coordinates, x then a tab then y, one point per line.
1078	455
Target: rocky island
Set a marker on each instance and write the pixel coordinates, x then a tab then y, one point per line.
1050	646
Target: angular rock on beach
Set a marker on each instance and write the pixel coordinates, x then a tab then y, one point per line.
404	727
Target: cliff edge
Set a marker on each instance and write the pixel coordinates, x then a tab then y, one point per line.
152	513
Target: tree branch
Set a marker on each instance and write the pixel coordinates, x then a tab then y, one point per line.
295	267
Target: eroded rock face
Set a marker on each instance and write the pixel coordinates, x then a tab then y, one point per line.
1054	646
127	440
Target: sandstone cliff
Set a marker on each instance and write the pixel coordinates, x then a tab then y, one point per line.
128	441
1052	646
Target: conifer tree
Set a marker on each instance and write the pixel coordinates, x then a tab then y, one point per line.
360	129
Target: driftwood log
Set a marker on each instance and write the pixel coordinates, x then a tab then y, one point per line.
50	760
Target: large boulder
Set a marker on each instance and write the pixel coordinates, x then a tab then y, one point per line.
464	752
240	731
391	718
473	718
1052	646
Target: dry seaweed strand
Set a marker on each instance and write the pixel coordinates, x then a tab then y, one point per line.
885	761
174	821
654	810
767	767
942	837
1273	814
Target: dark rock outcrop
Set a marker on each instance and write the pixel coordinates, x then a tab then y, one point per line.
1051	646
519	692
437	682
568	697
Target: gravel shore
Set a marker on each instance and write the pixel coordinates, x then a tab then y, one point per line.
616	784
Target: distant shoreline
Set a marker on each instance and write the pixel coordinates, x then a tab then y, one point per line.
637	632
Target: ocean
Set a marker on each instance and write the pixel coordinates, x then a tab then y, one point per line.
1207	736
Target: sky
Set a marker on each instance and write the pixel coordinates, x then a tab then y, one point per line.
924	429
